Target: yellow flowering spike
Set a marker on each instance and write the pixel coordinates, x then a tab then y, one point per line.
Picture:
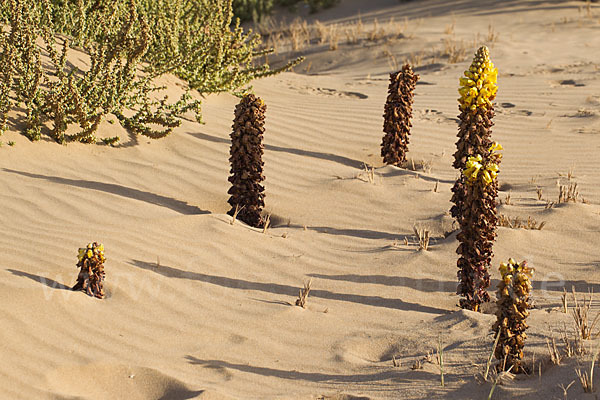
90	254
90	245
101	247
479	84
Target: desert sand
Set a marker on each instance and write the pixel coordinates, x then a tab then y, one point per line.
199	308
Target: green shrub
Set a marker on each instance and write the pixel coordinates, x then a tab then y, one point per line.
193	39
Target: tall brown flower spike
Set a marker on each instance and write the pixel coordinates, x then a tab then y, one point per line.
91	275
247	193
397	115
475	199
513	305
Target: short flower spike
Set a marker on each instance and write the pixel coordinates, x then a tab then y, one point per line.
511	315
478	87
91	275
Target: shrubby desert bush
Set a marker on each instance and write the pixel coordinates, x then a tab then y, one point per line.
130	43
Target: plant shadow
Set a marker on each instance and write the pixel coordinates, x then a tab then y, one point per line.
119	190
40	279
285	290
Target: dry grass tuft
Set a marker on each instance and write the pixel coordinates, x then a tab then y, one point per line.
455	50
581	315
569	193
303	295
422	235
518	223
555	355
587	381
368	175
334	37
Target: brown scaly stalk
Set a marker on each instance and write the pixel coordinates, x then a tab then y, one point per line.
397	115
513	305
91	275
478	229
247	193
476	190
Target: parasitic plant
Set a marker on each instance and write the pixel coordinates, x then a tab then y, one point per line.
397	115
247	193
475	191
513	305
91	275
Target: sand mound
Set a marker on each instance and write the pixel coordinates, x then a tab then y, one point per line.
115	381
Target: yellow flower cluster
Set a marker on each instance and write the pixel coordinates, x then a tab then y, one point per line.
520	274
475	167
478	87
92	249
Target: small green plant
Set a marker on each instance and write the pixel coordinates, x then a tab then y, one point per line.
247	192
91	274
513	309
397	116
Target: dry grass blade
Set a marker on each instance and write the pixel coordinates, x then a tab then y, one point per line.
555	355
500	379
267	223
587	381
303	295
235	214
440	359
565	389
491	356
539	193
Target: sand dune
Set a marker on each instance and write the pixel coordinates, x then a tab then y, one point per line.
200	308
